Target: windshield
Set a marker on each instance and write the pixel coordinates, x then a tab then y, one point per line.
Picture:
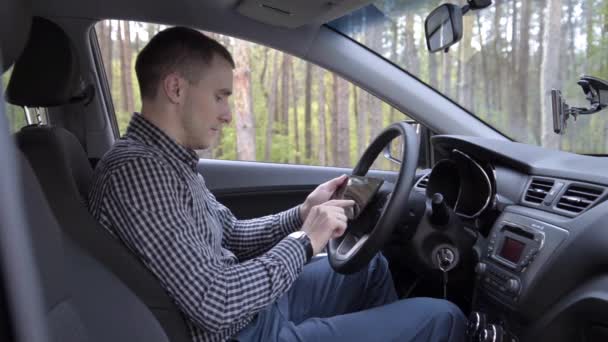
510	57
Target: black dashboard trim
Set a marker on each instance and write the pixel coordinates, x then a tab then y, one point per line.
529	159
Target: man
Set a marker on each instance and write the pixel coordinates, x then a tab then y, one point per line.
239	279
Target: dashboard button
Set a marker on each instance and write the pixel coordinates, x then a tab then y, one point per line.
513	285
481	268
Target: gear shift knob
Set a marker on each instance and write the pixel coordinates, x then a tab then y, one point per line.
440	214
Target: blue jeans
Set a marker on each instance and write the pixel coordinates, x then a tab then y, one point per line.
323	305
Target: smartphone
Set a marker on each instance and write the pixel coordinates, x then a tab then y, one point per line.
360	189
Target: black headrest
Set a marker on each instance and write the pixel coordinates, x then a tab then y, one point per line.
47	72
15	22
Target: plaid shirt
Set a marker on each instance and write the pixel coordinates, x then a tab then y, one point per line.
219	270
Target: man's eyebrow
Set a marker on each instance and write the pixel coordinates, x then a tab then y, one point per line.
226	92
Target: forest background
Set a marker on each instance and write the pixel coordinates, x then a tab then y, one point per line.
287	110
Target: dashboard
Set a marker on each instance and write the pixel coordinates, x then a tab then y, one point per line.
542	248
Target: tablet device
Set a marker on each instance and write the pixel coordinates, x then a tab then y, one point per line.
360	189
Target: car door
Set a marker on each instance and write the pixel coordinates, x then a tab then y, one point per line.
253	189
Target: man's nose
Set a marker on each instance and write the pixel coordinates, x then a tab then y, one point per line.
226	116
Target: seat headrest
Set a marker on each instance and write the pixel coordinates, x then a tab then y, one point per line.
15	22
47	72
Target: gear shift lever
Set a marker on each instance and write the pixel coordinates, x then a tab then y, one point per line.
440	214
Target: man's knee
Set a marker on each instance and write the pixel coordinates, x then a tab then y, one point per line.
379	265
446	318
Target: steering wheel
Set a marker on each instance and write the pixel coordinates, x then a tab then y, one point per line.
353	250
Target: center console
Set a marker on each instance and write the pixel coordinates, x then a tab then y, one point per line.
510	260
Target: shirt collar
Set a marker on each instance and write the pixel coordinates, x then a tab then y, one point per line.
143	130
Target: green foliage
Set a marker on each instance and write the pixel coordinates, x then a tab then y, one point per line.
14	114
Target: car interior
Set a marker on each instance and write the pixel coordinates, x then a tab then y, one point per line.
511	232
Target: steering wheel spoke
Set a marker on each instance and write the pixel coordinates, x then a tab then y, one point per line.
350	244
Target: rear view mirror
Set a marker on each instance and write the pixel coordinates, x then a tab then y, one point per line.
443	27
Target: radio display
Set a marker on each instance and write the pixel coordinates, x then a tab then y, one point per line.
511	250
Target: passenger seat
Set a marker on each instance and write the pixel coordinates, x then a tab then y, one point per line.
42	78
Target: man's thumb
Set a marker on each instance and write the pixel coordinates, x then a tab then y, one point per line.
336	182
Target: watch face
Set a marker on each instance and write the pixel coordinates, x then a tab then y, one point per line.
297	235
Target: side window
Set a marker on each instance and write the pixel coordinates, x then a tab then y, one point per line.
285	110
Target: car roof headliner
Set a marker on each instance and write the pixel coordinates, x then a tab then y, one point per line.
221	16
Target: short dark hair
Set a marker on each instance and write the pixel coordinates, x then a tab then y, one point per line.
178	49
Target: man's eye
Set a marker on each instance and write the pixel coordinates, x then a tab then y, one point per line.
218	98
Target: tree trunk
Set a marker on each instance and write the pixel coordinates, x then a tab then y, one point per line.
497	55
487	89
433	78
522	71
285	94
410	40
272	106
514	31
571	38
137	37
588	13
296	129
152	30
465	78
105	45
334	121
411	51
447	74
110	43
567	44
342	123
218	150
362	102
263	72
307	114
126	69
537	107
376	120
510	73
321	115
549	71
245	127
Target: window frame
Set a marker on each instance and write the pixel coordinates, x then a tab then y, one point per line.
425	133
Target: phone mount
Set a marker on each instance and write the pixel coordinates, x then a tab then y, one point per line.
596	92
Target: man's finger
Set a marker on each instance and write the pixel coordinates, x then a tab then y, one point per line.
342	217
340	203
333	184
336	233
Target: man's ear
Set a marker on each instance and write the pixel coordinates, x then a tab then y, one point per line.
173	87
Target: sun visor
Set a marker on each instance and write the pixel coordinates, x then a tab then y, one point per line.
296	13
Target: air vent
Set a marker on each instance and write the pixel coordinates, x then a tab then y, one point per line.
538	190
578	197
423	182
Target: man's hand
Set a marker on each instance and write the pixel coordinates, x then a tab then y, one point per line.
321	195
326	221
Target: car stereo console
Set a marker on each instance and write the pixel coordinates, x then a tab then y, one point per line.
514	253
511	249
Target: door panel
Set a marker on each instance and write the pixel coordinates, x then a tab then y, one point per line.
253	189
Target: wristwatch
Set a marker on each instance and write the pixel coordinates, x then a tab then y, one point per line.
303	238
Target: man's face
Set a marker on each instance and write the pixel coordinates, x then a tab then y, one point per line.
206	110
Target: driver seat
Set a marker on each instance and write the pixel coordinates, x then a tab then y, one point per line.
63	170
